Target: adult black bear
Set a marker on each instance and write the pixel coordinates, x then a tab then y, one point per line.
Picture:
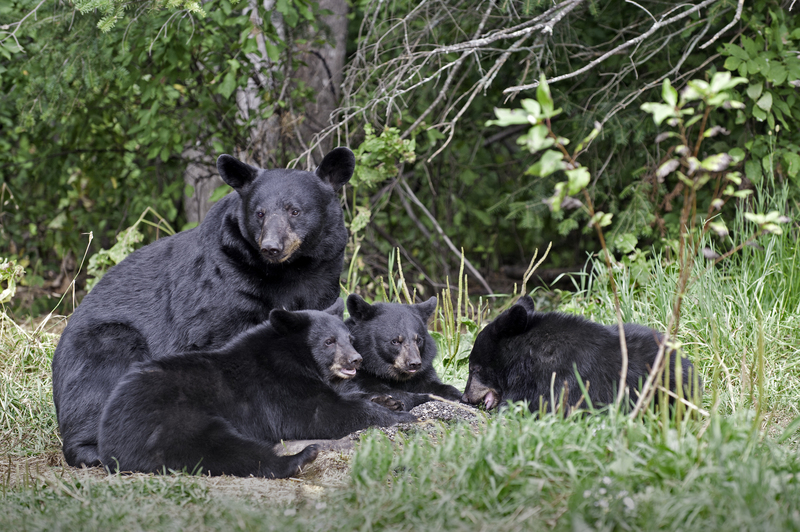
398	352
222	411
278	243
516	356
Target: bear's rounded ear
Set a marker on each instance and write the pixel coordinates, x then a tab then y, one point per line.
337	309
512	322
426	309
234	172
286	322
337	167
359	309
527	303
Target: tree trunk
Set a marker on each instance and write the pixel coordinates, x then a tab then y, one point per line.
275	141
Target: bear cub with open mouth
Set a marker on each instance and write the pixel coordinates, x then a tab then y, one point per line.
223	411
523	353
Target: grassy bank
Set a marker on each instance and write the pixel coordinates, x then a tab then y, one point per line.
735	466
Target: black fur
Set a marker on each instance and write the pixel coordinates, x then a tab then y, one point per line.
222	411
398	352
277	243
515	356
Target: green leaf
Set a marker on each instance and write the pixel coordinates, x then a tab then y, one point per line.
736	51
550	162
578	179
668	93
227	86
777	73
625	243
659	111
737	154
508	117
732	63
537	139
58	222
722	81
360	220
752	169
792	163
754	90
603	219
273	52
543	96
532	107
765	102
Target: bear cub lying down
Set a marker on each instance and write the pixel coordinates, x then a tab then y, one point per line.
222	411
398	353
515	356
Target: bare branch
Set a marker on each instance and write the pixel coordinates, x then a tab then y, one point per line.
736	18
627	44
405	188
18	24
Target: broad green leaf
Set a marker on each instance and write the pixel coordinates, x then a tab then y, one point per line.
765	102
625	243
360	220
722	81
532	107
754	90
777	73
508	117
578	179
659	111
227	86
550	162
792	163
737	154
732	63
736	51
752	169
537	139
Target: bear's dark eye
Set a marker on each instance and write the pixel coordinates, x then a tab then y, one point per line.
330	341
352	339
396	341
259	214
418	339
295	212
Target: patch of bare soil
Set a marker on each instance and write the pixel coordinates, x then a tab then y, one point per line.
330	471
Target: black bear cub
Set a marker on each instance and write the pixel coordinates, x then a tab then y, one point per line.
278	242
516	356
222	411
398	352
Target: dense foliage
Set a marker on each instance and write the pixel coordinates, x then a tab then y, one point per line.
103	108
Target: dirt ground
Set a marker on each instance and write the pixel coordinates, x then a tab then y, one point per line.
330	471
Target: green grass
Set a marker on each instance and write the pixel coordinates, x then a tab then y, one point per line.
735	468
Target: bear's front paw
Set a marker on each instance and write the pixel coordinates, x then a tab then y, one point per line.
389	402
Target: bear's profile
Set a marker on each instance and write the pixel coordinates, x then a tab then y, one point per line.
277	243
397	352
222	411
522	352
